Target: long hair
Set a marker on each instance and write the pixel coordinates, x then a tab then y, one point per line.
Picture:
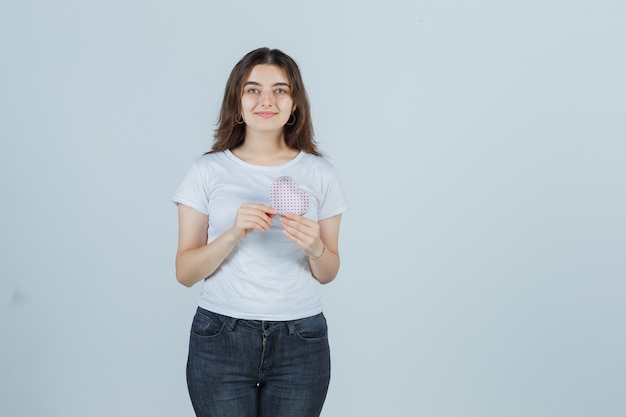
229	134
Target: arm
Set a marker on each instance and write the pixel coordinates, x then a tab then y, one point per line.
319	240
197	260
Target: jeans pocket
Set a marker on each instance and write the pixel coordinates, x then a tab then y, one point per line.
206	324
312	328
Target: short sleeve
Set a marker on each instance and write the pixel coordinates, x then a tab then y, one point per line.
334	200
193	192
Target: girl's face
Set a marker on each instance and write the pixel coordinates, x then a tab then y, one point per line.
266	102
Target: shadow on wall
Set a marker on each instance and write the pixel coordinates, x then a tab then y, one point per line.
11	297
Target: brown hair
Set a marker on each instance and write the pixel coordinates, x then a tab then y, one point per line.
229	134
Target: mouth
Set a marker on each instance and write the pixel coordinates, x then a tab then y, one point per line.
266	114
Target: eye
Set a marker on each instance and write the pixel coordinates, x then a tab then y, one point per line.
252	91
280	91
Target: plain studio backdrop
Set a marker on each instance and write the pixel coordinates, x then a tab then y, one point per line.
482	146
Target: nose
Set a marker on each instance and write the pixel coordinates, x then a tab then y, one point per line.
267	98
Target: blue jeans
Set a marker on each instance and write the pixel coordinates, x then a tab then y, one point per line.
253	368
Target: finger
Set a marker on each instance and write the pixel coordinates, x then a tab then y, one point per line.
253	219
307	244
262	207
255	223
293	216
294	238
301	224
302	235
292	219
257	212
300	220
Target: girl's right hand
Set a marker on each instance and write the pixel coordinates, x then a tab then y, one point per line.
252	216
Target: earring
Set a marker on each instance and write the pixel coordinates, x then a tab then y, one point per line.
294	120
239	119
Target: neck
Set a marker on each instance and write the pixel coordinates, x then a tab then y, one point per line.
265	149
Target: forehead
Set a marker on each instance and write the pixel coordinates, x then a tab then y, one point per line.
267	74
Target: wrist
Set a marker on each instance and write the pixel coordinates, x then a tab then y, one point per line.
315	258
233	236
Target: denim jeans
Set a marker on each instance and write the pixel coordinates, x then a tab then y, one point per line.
253	368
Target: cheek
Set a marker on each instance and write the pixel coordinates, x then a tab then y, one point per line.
286	103
247	102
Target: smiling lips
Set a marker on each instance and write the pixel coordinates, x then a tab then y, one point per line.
266	114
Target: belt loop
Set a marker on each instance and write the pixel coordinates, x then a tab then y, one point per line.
292	327
230	324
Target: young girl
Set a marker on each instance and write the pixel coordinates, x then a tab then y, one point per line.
259	223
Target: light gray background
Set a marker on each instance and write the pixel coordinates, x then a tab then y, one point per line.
482	148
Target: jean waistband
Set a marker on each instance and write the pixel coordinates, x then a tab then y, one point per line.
261	325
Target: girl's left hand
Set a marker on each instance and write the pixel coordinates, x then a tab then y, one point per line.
303	232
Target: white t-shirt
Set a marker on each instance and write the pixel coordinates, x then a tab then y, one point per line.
266	276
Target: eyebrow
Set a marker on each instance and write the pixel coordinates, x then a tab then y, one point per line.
273	85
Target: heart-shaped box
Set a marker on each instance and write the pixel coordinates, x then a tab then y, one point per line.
286	197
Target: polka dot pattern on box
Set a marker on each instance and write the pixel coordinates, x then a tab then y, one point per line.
286	197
